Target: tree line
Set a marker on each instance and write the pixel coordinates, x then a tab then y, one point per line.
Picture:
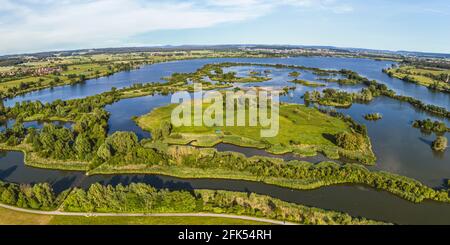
143	198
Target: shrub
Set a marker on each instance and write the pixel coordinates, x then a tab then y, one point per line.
349	141
440	144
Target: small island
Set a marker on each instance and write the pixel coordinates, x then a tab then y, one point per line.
329	97
294	74
373	116
440	144
307	83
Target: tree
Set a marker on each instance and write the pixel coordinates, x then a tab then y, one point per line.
166	129
13	141
366	95
349	141
157	134
2	106
9	196
104	152
122	142
83	147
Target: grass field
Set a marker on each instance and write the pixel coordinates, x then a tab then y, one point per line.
66	220
302	130
9	217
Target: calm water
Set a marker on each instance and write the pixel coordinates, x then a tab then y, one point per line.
123	111
399	147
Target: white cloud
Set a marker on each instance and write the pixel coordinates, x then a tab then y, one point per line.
31	25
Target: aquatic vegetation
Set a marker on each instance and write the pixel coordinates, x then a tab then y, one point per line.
329	97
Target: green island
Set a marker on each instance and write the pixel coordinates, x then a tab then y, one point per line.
307	83
214	73
440	144
333	97
431	77
294	74
373	90
302	130
428	125
373	116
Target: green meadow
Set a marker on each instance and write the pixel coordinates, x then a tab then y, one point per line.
302	130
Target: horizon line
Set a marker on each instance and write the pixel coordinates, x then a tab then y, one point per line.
216	45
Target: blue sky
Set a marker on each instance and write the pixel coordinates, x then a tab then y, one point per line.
32	25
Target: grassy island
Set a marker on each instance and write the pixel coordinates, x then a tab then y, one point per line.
430	77
337	98
214	73
304	131
307	83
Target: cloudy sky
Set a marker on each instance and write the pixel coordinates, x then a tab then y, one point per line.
40	25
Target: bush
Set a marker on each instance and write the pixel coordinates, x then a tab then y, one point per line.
349	141
440	144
